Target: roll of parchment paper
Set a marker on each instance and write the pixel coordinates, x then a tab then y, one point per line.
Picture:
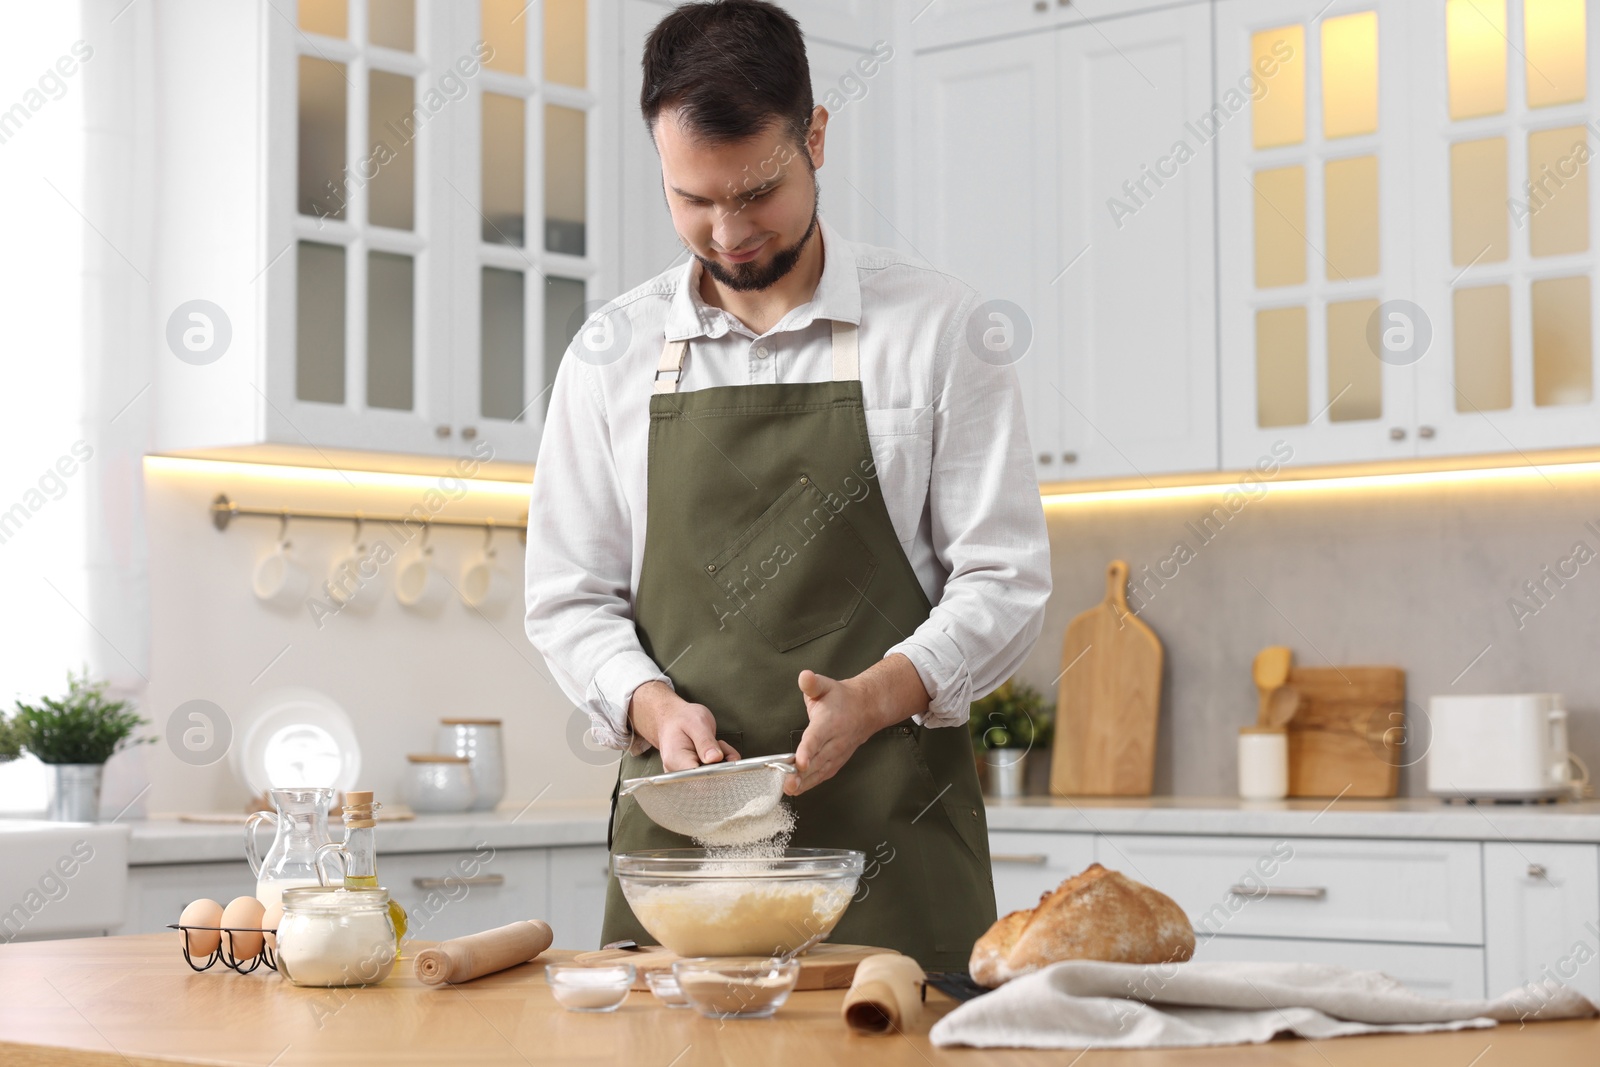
886	995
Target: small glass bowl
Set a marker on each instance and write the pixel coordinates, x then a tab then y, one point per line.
580	988
664	984
737	987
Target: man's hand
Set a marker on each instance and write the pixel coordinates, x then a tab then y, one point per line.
685	733
845	713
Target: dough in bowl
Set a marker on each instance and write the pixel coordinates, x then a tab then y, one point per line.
1096	915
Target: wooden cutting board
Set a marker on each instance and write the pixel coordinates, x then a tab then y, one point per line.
1348	736
1108	701
823	966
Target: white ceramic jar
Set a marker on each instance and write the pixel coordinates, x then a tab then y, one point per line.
335	937
1263	763
479	741
439	784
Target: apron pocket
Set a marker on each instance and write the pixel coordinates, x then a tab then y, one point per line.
798	572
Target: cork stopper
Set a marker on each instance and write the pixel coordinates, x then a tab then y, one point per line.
359	808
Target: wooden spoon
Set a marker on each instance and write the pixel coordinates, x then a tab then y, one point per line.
1282	705
1270	670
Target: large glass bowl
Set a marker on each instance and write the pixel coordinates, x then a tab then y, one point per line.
700	903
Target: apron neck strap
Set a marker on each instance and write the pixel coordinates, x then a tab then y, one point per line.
846	358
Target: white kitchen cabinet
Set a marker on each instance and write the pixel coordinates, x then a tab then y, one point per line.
1137	355
1315	227
1039	186
445	894
158	894
933	23
1505	274
389	276
1542	904
1028	865
1445	971
451	894
1407	891
579	878
985	202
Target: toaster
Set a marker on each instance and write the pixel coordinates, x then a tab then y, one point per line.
1509	746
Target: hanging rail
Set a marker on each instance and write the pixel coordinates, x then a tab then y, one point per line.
224	511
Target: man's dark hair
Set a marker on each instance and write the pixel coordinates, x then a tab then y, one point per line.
731	67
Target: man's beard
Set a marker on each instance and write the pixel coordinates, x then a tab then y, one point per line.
749	277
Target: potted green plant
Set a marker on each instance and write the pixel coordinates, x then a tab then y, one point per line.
75	735
10	743
1006	725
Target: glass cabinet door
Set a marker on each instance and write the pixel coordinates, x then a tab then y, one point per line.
1510	278
362	86
1313	142
530	127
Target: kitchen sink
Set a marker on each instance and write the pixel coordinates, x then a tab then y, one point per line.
61	879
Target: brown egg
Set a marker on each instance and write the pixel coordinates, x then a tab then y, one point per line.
269	921
244	912
202	912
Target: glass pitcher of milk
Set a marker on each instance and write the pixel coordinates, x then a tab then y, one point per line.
301	821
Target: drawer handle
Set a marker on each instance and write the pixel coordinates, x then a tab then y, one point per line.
1312	893
441	883
1036	859
1536	870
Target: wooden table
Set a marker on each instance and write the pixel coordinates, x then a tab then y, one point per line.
133	1002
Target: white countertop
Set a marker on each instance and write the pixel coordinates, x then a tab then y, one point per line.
544	825
1404	817
540	825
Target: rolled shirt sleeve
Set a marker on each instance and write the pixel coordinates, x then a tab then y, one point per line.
988	529
579	615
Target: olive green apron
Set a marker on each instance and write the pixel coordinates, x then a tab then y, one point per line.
769	550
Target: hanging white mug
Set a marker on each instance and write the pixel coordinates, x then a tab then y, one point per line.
279	579
418	585
484	585
355	577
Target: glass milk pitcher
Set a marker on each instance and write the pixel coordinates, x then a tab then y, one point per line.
301	820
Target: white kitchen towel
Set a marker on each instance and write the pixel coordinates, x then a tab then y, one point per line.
1090	1004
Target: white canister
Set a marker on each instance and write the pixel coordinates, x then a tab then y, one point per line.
335	937
479	741
436	783
1263	762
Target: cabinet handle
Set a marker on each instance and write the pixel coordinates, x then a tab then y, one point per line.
1041	5
1069	457
1396	433
1034	859
468	432
1312	893
1425	432
441	883
1046	458
441	430
1536	870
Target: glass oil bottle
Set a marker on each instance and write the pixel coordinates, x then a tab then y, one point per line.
358	855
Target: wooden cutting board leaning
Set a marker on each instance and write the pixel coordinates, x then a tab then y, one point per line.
1347	734
1109	699
823	966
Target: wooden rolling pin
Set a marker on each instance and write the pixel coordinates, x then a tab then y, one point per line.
462	959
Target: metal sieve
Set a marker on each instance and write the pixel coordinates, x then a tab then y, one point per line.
725	803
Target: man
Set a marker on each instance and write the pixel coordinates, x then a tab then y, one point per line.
795	512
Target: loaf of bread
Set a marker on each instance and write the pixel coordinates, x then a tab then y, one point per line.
1096	915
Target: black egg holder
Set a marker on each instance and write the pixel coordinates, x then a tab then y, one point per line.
224	950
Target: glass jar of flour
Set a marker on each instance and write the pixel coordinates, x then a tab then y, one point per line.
336	937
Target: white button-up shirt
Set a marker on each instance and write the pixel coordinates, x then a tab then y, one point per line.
947	437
